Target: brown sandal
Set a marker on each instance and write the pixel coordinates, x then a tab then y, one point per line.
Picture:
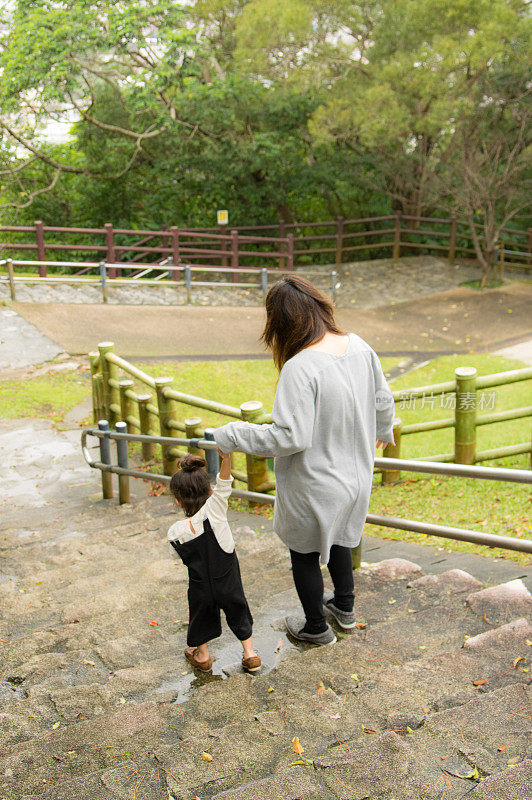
252	664
204	666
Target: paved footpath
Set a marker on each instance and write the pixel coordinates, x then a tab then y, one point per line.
456	321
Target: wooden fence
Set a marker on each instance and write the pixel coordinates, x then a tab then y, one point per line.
155	413
287	245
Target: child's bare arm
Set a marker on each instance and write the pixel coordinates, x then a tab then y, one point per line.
225	466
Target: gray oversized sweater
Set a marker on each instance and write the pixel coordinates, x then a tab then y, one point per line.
327	414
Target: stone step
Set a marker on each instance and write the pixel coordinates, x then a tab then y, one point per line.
237	703
126	736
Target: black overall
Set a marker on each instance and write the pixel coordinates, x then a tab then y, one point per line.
214	583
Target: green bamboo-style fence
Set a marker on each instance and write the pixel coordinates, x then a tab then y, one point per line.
155	412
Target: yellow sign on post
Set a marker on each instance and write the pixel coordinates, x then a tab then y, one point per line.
223	217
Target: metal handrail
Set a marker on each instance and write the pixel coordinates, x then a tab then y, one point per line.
447	532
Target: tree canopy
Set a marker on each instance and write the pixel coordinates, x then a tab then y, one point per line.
297	109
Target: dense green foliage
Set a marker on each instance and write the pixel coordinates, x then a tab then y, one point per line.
299	109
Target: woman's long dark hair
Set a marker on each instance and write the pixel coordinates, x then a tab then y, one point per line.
190	484
297	315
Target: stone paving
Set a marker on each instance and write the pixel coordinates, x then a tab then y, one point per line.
427	699
363	284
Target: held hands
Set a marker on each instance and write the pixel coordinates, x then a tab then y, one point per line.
381	443
225	466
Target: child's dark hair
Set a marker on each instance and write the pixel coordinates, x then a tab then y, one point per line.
190	484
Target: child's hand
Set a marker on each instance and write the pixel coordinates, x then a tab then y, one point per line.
225	466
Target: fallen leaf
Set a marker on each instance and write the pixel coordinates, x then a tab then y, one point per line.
296	746
90	663
361	625
517	660
153	623
480	683
206	756
486	620
367	730
279	645
354	676
72	621
392	601
321	687
529	642
271	689
425	710
302	762
55	725
512	761
501	748
122	700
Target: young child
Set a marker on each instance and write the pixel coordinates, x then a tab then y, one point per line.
205	544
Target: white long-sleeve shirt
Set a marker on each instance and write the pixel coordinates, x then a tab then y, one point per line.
215	510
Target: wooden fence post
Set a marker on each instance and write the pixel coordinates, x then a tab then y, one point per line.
223	247
257	466
192	431
391	476
147	426
339	239
465	431
290	253
98	389
356	556
127	405
174	233
11	279
234	253
109	243
282	235
93	358
452	241
111	390
167	411
397	237
41	252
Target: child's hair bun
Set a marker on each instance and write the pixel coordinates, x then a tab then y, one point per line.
191	463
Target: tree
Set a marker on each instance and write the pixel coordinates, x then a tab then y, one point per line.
417	87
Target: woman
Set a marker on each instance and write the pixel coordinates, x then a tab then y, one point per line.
332	403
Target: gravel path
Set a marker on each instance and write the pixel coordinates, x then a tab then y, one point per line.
363	284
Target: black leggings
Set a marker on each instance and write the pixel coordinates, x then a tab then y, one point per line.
309	584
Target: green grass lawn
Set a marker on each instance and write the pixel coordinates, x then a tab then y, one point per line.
45	396
480	505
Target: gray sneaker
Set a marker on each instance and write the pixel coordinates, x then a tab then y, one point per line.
345	619
295	625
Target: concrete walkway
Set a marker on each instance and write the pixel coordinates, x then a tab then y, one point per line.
522	351
22	344
457	321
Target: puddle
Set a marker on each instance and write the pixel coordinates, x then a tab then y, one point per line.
269	640
24	533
